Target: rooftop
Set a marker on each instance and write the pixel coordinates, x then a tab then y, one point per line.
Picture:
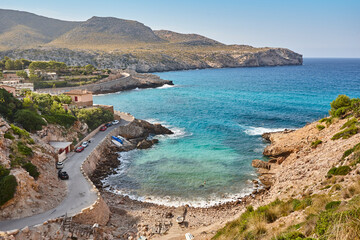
78	92
60	145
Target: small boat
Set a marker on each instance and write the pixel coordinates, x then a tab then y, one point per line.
180	219
189	236
116	143
117	139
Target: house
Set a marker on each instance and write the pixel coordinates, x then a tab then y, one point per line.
10	89
82	98
61	149
12	76
18	85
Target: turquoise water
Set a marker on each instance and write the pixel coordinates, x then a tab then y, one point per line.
218	116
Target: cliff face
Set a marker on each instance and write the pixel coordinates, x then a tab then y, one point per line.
156	61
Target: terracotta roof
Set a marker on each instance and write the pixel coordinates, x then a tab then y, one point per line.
78	92
4	85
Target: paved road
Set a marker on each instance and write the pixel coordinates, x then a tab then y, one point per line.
79	195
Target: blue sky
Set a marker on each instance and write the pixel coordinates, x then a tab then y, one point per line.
314	28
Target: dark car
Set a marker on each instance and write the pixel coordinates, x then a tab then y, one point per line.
80	149
108	124
63	175
103	128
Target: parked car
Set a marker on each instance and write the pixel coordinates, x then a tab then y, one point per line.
115	122
108	124
59	165
63	175
85	144
103	128
79	149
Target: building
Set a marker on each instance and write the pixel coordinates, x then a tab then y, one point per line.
61	149
10	89
18	85
11	76
82	98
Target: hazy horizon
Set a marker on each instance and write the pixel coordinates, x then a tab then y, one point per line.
322	29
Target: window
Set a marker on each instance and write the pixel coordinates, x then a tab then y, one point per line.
76	98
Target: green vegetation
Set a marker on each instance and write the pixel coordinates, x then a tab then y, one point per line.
320	127
8	105
8	186
342	170
332	205
31	169
23	149
347	133
252	222
30	120
66	120
94	117
20	132
9	136
9	64
316	143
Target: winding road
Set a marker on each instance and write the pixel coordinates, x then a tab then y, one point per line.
80	194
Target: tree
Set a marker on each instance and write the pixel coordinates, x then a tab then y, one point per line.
8	104
89	68
30	120
8	186
64	99
94	117
22	74
9	64
18	65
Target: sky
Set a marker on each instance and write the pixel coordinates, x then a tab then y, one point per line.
314	28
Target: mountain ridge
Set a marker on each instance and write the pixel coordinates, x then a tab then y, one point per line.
119	43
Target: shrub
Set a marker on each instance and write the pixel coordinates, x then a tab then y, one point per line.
9	136
340	102
345	134
332	205
23	149
347	153
291	236
315	143
94	117
31	169
320	127
18	131
342	170
65	120
9	104
7	188
349	123
30	120
3	172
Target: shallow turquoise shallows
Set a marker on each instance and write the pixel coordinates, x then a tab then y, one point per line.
218	116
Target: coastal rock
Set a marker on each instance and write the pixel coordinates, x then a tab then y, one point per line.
142	129
145	144
257	163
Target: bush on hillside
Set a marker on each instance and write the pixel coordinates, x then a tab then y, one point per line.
332	205
8	186
65	120
31	169
315	143
20	132
8	104
24	150
9	136
320	127
342	170
30	120
346	133
94	117
340	102
3	172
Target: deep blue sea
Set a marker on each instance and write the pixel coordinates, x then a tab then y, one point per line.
218	116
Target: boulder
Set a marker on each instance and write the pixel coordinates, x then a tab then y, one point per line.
257	163
145	144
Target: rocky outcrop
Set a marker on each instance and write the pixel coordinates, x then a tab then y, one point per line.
142	129
256	163
158	61
145	144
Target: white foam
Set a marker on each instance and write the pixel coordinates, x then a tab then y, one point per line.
166	86
178	132
177	201
252	131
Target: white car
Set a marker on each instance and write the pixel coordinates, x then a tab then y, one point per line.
115	122
85	144
59	165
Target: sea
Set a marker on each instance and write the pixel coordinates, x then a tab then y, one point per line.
218	116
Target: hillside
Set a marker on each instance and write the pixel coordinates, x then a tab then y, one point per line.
312	182
20	29
106	32
108	42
